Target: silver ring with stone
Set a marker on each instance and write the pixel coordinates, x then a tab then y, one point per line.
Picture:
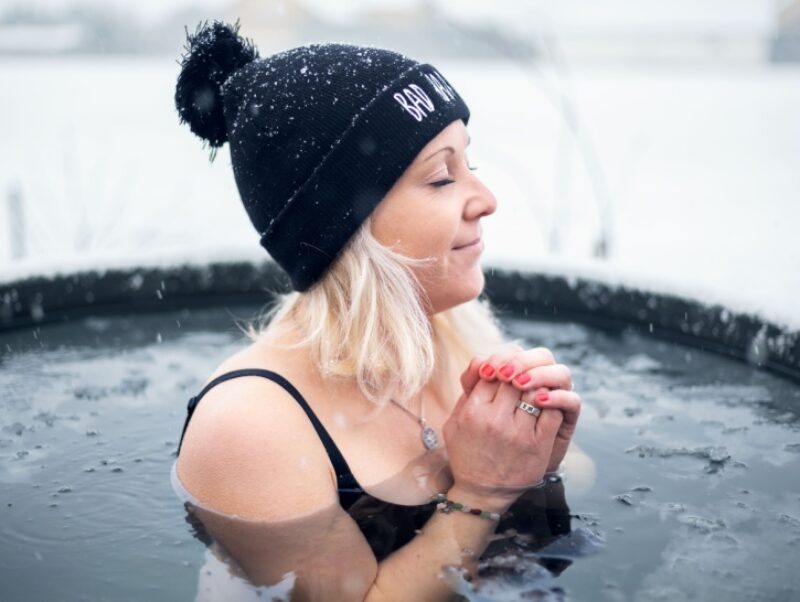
530	409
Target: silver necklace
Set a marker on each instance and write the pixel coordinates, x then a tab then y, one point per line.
429	438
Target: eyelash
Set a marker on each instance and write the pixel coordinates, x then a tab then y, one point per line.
441	183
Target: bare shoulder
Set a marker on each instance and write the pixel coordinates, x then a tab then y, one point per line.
251	450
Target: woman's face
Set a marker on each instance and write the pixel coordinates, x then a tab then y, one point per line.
433	208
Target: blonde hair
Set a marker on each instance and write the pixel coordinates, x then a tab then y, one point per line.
365	319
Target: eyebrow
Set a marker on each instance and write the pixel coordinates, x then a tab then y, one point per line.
450	148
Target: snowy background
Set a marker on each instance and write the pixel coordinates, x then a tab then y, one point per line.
671	141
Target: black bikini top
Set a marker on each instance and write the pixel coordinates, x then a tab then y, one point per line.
349	489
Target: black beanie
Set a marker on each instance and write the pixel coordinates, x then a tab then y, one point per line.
318	134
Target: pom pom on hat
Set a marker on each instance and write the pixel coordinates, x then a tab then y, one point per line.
213	53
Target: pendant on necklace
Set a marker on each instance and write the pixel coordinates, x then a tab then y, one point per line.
429	438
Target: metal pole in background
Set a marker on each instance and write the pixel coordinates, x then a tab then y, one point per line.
16	224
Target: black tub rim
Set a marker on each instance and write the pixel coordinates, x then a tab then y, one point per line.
36	301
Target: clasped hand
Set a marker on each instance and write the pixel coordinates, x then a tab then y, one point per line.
490	440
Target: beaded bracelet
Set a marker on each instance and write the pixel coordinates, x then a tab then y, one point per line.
447	506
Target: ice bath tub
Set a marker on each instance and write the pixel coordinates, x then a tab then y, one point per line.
697	454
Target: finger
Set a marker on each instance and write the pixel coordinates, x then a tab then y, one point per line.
524	361
471	376
483	392
557	376
533	395
547	425
491	366
568	402
506	399
538	356
459	407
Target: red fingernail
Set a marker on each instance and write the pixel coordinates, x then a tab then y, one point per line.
487	371
542	397
523	378
507	370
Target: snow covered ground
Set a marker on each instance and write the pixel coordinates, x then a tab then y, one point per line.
691	176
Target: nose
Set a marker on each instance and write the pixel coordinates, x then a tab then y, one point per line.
481	201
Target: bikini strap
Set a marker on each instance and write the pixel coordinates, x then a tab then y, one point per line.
344	477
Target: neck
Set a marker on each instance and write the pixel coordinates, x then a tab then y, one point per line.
289	332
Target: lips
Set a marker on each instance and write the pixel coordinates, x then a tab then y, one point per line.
472	242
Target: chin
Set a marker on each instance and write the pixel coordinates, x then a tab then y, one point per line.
466	292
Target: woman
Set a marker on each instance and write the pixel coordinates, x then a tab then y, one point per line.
380	386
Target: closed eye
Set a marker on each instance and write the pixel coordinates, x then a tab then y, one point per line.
441	183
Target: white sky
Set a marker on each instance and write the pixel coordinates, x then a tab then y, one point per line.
574	13
148	10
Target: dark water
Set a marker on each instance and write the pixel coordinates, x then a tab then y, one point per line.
697	490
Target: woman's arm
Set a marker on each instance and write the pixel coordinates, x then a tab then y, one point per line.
494	450
330	560
420	569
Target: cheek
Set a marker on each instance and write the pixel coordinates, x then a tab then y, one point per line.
438	237
425	232
417	226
